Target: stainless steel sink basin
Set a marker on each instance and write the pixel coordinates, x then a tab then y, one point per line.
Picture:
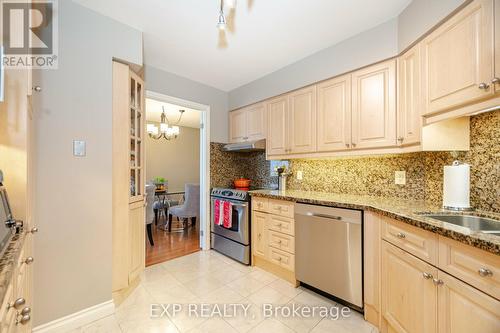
474	223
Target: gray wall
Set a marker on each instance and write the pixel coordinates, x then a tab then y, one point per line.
420	16
173	85
73	195
365	48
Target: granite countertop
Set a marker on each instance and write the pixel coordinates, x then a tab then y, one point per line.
408	211
8	262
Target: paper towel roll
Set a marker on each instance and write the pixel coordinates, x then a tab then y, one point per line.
456	186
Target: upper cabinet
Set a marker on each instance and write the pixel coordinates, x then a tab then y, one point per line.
277	112
334	114
496	79
374	106
409	104
457	59
302	120
248	124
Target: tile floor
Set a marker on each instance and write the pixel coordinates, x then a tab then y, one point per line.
208	277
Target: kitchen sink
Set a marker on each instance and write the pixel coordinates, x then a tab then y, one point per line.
474	223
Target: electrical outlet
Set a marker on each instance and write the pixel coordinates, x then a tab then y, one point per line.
300	175
79	148
400	177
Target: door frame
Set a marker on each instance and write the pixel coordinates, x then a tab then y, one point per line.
204	160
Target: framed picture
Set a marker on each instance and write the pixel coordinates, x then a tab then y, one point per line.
2	75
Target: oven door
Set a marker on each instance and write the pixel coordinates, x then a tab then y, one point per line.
240	230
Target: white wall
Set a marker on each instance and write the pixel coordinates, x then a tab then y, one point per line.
73	195
420	16
365	48
173	85
178	161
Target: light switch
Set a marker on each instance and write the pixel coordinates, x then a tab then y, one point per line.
79	148
400	177
300	175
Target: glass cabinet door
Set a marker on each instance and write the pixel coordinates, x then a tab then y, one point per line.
136	137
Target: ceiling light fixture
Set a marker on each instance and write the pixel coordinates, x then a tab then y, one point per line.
165	131
231	3
222	19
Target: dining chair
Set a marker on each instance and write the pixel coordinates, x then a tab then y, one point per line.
190	209
150	213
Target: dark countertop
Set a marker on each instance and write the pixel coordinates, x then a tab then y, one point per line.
8	262
408	211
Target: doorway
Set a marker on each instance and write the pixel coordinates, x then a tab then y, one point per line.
176	160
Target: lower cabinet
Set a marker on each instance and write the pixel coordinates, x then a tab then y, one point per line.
259	234
408	292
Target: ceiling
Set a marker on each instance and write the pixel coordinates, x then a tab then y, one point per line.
180	36
190	118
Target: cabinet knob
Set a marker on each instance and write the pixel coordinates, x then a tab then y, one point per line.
353	144
29	260
37	88
427	276
34	230
400	235
495	80
24	319
485	272
18	303
438	282
347	145
400	139
483	86
26	311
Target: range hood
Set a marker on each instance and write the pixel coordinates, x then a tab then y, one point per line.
246	146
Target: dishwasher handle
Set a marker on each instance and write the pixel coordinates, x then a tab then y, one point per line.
325	216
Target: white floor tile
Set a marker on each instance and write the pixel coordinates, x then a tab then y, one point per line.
215	325
268	295
105	325
246	285
271	326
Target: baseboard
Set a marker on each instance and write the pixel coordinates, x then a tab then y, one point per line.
77	319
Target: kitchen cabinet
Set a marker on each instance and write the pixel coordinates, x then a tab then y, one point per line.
248	124
259	234
334	114
371	264
128	177
457	59
302	120
409	296
496	79
277	134
374	106
464	309
409	103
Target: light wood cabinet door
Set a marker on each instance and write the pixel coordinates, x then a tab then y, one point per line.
371	262
136	240
237	126
302	120
409	116
457	58
334	114
464	309
256	122
409	299
259	234
496	79
277	137
374	106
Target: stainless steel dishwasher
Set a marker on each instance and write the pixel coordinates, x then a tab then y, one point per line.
328	251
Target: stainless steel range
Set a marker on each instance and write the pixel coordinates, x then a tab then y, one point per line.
234	242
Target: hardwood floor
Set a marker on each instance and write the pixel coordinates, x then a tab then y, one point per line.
172	245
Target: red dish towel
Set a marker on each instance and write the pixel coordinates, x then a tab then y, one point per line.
223	213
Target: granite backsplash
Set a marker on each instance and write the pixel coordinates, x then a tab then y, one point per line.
374	175
225	167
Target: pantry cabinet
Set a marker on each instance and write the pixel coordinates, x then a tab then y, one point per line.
248	124
409	104
408	292
334	114
457	59
302	120
277	137
374	106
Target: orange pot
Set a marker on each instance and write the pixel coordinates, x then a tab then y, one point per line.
242	183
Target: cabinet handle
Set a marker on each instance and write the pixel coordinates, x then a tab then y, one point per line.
24	320
353	144
18	303
26	311
438	282
347	145
495	80
259	236
427	276
33	230
29	260
483	86
400	139
400	235
485	272
279	242
37	88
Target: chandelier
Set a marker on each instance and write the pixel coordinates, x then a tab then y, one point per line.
165	130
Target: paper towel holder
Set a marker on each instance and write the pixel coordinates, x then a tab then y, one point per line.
453	208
